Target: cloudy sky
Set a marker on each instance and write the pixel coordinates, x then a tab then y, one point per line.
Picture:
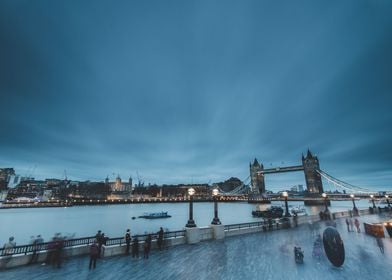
192	91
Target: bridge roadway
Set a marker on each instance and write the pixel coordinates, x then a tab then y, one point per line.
281	169
263	255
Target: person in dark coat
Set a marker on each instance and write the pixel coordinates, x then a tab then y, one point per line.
128	241
94	253
147	246
135	248
160	239
98	238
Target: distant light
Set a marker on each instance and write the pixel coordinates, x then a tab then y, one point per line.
351	195
371	196
386	196
215	192
324	195
191	191
285	194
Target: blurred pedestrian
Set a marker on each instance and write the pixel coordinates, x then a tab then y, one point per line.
160	239
348	224
357	225
9	246
104	239
98	238
380	244
94	253
351	224
128	241
147	246
135	248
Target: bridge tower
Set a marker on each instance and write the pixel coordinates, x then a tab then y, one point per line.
256	179
312	177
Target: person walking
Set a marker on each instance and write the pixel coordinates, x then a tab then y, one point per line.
147	246
128	241
94	253
160	239
348	225
135	248
357	225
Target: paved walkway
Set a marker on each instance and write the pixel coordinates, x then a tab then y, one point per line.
254	256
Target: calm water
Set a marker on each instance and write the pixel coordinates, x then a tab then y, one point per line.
113	220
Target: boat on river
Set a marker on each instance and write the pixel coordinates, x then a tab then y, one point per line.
272	212
156	215
298	211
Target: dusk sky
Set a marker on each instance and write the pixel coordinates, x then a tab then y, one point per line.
192	91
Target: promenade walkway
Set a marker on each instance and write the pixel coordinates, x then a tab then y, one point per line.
263	255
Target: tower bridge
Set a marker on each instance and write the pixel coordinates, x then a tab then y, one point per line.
256	188
310	166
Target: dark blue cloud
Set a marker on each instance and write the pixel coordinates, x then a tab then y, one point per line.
183	91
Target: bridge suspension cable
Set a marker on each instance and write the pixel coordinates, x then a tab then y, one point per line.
342	184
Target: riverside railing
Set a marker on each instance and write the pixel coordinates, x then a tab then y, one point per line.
84	241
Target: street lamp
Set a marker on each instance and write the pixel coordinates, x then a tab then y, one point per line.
216	220
286	195
191	222
324	195
372	198
354	206
387	197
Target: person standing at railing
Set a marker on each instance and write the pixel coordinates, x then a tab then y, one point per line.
104	239
128	241
98	238
135	247
147	246
9	246
160	239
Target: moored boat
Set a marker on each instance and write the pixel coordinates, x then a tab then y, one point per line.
158	215
272	212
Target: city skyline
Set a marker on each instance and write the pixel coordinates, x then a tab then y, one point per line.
181	93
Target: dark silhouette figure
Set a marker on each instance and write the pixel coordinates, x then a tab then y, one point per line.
58	252
348	225
135	248
147	246
128	241
160	239
94	253
295	219
98	238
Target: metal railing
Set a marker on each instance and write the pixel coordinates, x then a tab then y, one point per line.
47	246
271	224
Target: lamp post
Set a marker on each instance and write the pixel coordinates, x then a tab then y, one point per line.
286	195
354	206
216	220
191	222
372	198
387	198
324	195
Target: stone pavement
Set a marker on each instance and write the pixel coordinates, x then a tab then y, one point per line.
255	256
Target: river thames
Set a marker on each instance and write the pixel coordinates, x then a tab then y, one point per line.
113	220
